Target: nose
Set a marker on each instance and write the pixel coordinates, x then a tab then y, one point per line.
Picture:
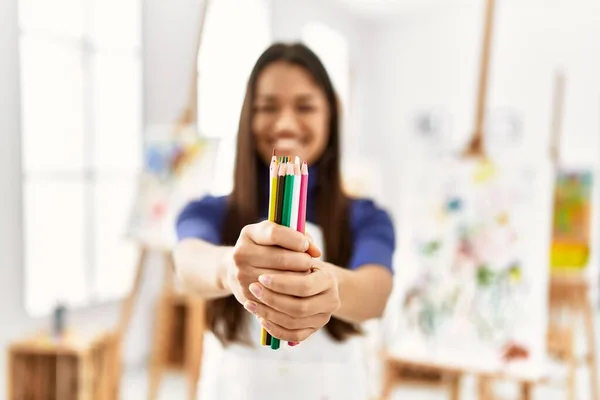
286	123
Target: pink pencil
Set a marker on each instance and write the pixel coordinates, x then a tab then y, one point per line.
303	195
302	209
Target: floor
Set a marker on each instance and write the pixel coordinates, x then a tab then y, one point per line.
173	387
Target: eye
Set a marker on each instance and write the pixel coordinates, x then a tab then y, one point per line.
265	108
306	108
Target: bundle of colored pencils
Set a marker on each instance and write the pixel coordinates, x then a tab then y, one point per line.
287	206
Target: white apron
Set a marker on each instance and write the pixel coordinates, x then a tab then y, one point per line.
316	369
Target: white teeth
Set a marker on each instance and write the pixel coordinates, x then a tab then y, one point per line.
286	143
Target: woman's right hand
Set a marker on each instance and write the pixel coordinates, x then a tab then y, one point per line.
263	248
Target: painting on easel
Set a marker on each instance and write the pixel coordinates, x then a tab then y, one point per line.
473	285
176	170
571	225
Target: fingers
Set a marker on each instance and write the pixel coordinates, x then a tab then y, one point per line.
297	285
273	258
247	276
268	233
288	335
326	302
285	321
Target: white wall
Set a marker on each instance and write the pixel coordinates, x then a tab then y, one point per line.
426	59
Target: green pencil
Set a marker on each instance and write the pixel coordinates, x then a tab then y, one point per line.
286	215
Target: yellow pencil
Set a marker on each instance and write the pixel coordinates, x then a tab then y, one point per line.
272	201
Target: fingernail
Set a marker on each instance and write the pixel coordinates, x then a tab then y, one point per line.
266	324
306	244
256	290
264	279
250	306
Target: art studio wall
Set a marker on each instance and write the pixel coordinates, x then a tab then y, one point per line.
429	60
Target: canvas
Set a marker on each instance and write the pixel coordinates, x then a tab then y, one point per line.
176	170
472	266
571	227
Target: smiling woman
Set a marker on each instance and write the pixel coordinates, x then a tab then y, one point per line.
290	113
292	285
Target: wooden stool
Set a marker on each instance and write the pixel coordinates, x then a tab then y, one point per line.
398	372
178	340
485	386
42	368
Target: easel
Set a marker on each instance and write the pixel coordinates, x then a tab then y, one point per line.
569	291
398	371
180	319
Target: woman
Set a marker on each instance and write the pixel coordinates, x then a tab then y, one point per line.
298	289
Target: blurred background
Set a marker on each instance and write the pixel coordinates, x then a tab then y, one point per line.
90	90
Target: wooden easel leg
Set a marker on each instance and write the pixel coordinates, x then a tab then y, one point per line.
154	378
159	346
454	387
194	344
571	378
10	375
389	374
526	391
591	349
484	388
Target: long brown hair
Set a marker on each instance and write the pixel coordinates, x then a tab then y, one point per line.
225	316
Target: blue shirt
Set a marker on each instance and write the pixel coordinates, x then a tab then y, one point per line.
372	229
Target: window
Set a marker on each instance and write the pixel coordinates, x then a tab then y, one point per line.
81	147
225	60
333	50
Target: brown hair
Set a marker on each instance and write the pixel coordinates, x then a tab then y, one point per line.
225	316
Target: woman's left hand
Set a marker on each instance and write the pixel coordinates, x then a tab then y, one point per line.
294	306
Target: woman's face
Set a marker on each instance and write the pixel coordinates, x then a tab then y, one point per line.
291	114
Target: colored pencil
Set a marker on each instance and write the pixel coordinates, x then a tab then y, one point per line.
296	194
302	202
280	192
286	218
265	337
296	205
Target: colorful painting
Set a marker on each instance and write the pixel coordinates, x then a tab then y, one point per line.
471	269
176	170
572	220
